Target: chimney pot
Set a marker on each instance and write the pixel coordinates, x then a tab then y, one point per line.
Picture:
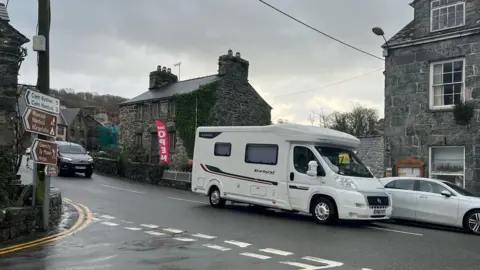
230	52
159	68
164	69
237	54
169	70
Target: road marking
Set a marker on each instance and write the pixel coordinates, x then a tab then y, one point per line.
84	218
236	243
126	221
253	255
204	236
329	264
150	226
103	258
184	239
217	247
133	228
302	265
172	230
109	223
124	189
185	200
276	251
107	217
155	233
397	231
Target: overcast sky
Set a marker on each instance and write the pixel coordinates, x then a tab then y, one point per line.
110	46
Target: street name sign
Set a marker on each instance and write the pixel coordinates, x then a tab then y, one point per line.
44	152
42	102
40	122
51	170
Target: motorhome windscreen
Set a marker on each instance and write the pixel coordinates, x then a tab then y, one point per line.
344	162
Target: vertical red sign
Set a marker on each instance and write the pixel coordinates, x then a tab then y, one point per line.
162	136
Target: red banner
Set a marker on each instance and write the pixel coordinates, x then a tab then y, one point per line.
162	136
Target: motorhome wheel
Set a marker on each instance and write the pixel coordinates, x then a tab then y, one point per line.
215	198
323	211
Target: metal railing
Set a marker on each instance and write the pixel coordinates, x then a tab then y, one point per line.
179	176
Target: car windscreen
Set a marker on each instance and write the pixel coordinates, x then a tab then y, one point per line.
460	190
344	162
72	149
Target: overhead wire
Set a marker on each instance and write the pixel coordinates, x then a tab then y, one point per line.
321	32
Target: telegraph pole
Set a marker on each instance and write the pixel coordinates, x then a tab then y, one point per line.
43	85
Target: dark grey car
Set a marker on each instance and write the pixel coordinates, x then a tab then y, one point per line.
74	158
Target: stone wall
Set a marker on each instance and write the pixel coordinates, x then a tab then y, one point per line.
410	125
20	221
138	172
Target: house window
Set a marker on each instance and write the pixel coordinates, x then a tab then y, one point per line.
172	141
60	131
138	139
447	83
155	110
448	163
261	154
139	112
164	108
171	108
222	149
447	15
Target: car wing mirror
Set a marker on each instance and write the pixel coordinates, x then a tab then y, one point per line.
446	193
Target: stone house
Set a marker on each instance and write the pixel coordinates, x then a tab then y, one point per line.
222	99
11	55
371	153
431	65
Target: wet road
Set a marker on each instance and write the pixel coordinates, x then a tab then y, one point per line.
139	226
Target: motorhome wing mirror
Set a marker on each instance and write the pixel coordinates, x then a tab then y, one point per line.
312	168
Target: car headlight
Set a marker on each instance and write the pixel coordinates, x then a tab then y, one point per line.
66	159
90	159
345	182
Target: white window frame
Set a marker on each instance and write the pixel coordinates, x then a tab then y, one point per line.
431	89
433	174
459	2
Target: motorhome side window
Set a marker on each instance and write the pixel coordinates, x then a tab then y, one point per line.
222	149
301	157
266	154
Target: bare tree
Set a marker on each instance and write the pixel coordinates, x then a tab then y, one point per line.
360	121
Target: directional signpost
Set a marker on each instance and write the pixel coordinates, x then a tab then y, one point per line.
40	118
40	122
41	101
44	152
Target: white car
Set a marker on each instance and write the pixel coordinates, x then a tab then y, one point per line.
433	201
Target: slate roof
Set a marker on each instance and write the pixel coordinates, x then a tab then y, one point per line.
404	35
69	115
5	19
181	87
371	152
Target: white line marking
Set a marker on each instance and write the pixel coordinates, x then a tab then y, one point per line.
253	255
103	258
126	221
124	189
217	247
366	269
109	223
107	217
150	226
155	233
329	264
302	265
236	243
397	231
184	239
96	219
185	200
276	251
204	236
133	228
172	230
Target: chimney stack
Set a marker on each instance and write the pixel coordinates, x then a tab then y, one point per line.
233	66
4	13
160	77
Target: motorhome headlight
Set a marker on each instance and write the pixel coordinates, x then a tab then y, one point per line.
345	182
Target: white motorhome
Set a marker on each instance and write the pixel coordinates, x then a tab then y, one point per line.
290	167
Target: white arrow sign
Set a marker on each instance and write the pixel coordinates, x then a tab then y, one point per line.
41	101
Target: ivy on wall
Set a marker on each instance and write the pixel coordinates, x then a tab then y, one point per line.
192	106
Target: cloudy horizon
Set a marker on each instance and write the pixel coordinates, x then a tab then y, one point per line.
109	47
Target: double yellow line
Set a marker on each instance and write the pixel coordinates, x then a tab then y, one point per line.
84	218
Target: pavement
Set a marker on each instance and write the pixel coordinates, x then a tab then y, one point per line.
139	226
